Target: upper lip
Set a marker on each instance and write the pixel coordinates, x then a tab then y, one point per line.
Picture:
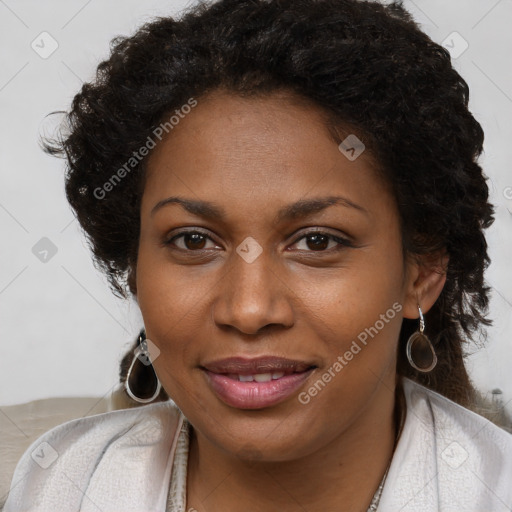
263	364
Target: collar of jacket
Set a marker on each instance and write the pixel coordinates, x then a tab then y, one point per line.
447	459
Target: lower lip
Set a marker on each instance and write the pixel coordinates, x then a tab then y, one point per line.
255	395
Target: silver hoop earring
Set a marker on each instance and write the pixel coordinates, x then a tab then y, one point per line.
425	358
142	355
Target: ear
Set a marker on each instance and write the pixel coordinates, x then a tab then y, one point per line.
424	282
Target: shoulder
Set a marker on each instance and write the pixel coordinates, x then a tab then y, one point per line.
73	455
447	458
450	416
100	429
471	455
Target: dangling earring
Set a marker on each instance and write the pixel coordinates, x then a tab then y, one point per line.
425	358
143	356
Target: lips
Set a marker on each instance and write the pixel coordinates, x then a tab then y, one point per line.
256	383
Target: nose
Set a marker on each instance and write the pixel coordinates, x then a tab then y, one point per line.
253	296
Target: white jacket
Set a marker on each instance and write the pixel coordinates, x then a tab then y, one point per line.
448	459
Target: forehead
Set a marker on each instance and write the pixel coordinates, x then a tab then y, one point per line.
261	149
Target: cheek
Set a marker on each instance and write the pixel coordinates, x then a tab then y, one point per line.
167	307
356	316
173	300
355	319
169	294
354	296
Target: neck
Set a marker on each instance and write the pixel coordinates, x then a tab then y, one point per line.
344	474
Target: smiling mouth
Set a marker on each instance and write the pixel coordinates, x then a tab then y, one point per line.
256	390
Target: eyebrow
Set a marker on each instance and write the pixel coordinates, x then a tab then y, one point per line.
297	210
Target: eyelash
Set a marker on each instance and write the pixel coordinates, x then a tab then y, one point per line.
343	242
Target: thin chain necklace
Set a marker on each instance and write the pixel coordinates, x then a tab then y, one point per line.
376	497
400	404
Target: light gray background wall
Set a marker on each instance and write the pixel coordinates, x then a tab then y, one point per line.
62	332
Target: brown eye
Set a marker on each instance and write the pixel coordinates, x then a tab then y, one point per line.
319	242
191	241
194	241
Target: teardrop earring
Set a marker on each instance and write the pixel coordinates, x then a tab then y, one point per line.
142	378
419	349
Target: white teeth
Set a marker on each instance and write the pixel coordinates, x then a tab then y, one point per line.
263	377
260	377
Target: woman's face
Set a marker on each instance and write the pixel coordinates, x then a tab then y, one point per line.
257	280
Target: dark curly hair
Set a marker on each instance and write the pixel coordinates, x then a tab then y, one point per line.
368	66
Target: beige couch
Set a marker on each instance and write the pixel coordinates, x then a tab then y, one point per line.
21	424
